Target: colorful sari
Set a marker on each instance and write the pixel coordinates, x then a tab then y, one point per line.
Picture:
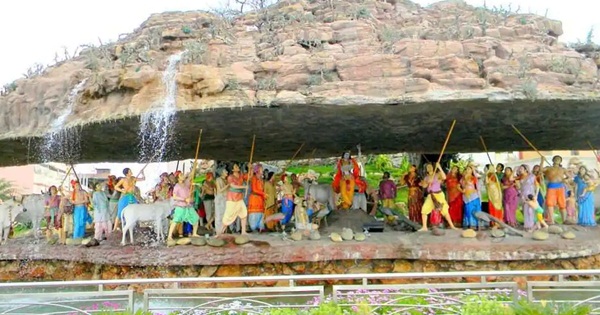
585	200
454	198
472	203
494	196
415	196
510	201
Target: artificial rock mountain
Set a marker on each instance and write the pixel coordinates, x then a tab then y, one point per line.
390	75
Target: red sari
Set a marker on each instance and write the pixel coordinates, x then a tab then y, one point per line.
415	196
455	199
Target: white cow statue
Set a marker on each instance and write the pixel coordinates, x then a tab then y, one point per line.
155	212
35	205
9	210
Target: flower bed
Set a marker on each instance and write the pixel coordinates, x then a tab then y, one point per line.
416	302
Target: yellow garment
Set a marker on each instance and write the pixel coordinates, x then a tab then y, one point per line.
347	192
233	210
389	203
428	206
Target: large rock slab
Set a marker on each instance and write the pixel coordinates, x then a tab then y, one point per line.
319	78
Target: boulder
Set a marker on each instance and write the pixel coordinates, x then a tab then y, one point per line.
498	233
171	243
183	241
540	235
315	235
568	235
555	229
241	240
216	242
198	241
469	233
73	241
335	237
322	62
360	237
347	234
438	232
296	235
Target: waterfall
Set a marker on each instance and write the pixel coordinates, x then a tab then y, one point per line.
63	143
156	123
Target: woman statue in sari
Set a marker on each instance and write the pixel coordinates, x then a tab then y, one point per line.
527	185
471	198
541	194
415	193
270	200
435	196
585	197
222	187
494	192
256	201
345	178
454	196
510	197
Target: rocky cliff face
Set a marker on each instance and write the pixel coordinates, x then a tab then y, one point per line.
326	72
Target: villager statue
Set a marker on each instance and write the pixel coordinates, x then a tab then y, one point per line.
235	206
126	187
585	197
555	192
256	200
348	171
494	191
184	210
435	198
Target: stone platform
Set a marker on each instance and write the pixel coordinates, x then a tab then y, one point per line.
273	248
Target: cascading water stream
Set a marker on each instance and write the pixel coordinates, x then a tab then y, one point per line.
156	124
63	143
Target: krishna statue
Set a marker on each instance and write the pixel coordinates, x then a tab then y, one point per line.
346	177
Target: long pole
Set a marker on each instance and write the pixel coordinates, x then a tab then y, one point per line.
149	161
491	163
294	157
531	145
593	150
250	165
193	173
446	142
66	175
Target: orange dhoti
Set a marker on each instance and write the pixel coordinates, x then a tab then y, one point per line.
347	192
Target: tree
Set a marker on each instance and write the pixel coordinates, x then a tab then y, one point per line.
6	189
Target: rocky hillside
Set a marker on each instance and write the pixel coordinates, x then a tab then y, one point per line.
310	52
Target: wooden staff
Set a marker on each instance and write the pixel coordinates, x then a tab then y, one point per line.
491	164
594	150
193	173
66	175
250	165
531	145
446	142
149	161
312	156
293	157
177	167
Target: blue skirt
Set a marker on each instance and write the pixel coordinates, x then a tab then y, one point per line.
469	219
287	208
125	200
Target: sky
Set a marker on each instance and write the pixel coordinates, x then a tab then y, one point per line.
34	30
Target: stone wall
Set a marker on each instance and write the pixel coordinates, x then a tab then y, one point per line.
22	270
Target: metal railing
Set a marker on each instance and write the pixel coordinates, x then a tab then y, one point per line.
295	291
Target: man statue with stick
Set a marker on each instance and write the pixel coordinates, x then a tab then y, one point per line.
555	193
235	206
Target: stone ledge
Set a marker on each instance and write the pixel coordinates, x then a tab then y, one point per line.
381	246
566	124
